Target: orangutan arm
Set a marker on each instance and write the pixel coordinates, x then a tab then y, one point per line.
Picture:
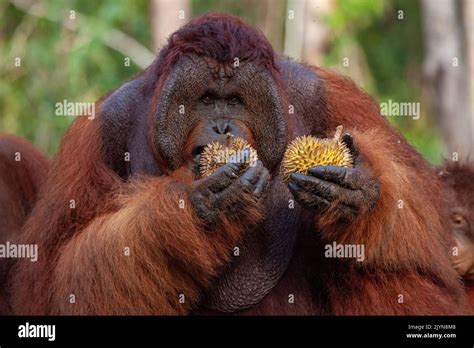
152	255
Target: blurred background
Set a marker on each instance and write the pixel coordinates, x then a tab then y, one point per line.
397	50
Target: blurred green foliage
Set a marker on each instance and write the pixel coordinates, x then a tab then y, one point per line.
242	8
59	63
390	36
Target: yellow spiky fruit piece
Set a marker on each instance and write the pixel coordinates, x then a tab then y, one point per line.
216	155
307	151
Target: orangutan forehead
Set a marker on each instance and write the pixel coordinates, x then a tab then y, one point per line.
224	70
195	74
221	70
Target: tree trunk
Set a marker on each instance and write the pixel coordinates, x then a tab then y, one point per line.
294	29
272	21
317	33
166	17
447	74
468	9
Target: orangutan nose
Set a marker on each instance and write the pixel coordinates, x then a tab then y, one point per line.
219	131
222	126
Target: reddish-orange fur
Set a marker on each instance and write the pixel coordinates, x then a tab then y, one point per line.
397	238
171	253
457	178
84	252
23	169
470	296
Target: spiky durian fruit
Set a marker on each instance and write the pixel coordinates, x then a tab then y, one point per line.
216	155
306	151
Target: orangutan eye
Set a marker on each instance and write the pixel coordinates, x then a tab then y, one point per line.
207	99
458	220
234	100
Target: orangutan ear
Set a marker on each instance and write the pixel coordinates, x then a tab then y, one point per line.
124	128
